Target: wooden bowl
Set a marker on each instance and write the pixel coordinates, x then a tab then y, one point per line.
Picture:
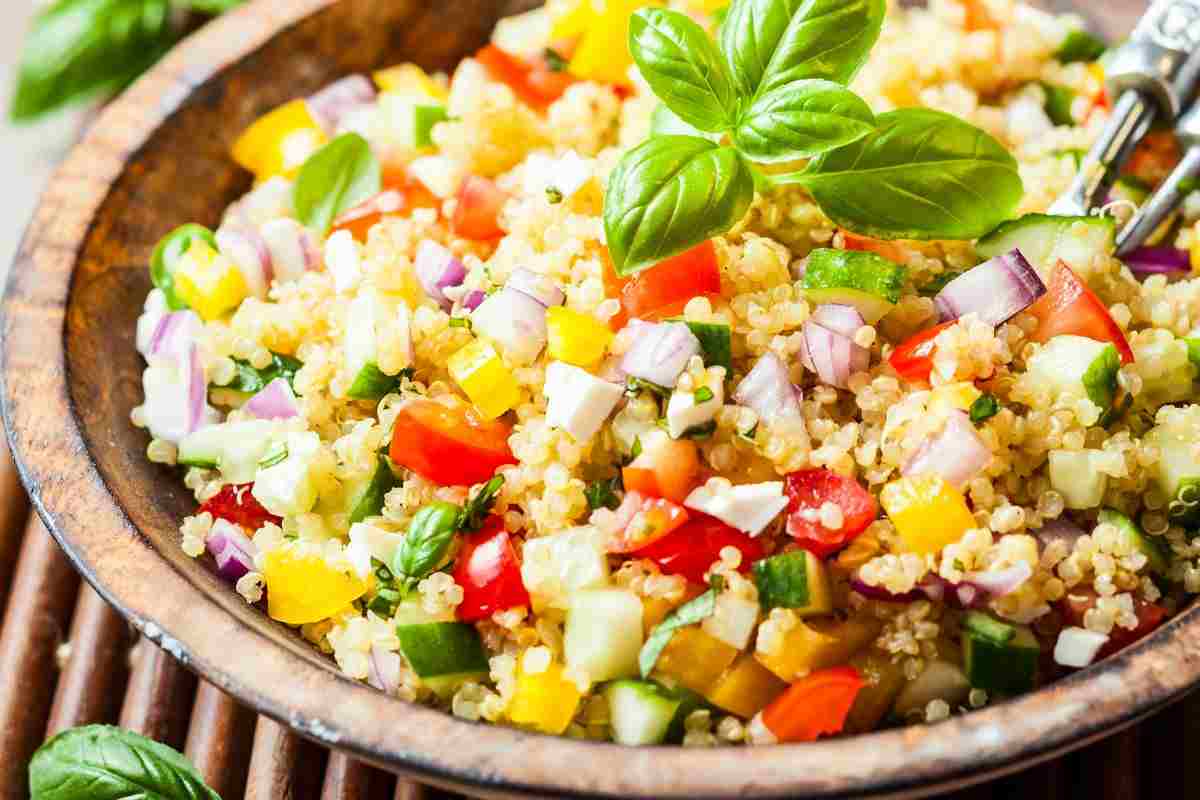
157	158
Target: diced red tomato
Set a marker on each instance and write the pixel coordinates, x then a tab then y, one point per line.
913	360
1070	307
1154	157
366	215
447	442
644	520
693	547
880	247
663	290
477	212
810	489
533	80
1079	601
488	571
236	504
814	705
666	467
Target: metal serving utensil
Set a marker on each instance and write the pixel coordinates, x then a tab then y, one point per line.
1152	76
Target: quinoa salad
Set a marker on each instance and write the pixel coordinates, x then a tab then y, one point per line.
693	372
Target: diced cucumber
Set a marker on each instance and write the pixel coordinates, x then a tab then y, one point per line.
1045	239
1059	100
371	384
844	276
1135	190
233	447
444	655
1100	378
988	627
715	342
641	712
1153	548
1079	45
555	567
1007	665
733	621
1076	365
604	633
1073	475
360	349
1177	464
940	680
288	487
424	117
367	500
794	580
1165	365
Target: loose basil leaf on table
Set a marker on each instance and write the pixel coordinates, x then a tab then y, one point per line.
802	120
771	43
681	63
101	762
167	253
337	177
670	193
922	174
428	539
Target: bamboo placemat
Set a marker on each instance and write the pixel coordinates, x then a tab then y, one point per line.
67	659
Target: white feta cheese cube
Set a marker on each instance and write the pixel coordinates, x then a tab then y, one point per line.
749	507
566	174
684	412
343	259
578	402
1077	647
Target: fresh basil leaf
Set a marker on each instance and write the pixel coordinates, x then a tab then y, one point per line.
664	122
771	43
102	762
337	177
1059	100
671	193
250	380
428	539
167	253
802	120
1080	45
984	408
480	505
690	613
922	174
78	48
683	66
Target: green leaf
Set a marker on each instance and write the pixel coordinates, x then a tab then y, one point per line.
771	43
1100	378
1059	100
1080	45
984	408
428	539
250	380
664	122
1193	346
671	193
802	120
681	63
480	505
689	613
337	177
922	175
101	762
78	48
167	253
603	494
213	6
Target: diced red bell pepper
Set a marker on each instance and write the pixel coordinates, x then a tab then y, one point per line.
489	573
663	290
532	80
645	520
1079	601
236	504
477	212
693	547
913	360
1070	307
814	705
447	442
810	489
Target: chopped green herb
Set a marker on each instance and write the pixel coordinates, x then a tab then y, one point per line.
703	395
689	613
635	385
603	494
554	195
428	539
1080	46
636	450
749	434
460	322
554	60
480	505
984	408
701	431
716	582
276	455
250	380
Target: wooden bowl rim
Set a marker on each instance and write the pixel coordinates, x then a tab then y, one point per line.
48	445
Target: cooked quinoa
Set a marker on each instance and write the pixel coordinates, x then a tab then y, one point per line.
774	555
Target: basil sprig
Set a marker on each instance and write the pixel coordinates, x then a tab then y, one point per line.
427	541
100	762
772	92
337	177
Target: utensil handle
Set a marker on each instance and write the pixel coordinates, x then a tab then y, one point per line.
1161	57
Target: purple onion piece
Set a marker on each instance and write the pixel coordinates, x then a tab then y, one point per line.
330	105
276	400
293	249
879	593
839	318
232	549
473	298
540	287
661	352
515	320
175	335
768	390
995	291
383	669
247	249
1158	260
197	392
1000	582
1059	530
437	268
957	453
832	355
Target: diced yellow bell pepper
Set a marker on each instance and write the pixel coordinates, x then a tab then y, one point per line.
1195	249
818	644
280	142
209	282
952	396
483	375
576	338
411	81
694	659
884	680
654	611
304	589
746	688
927	511
574	21
544	701
603	51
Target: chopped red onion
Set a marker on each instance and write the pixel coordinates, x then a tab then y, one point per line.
977	589
883	595
176	396
1059	530
438	268
473	299
839	318
660	352
248	250
293	248
514	320
276	400
174	337
831	355
383	669
152	316
540	287
995	291
1151	260
768	390
271	199
338	99
956	454
999	583
233	550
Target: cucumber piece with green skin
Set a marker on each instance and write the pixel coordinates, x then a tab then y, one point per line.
371	384
424	117
1079	45
604	633
1059	100
1177	465
444	655
1100	378
367	500
233	447
999	657
716	342
641	712
1045	239
1154	549
689	701
794	580
1076	365
855	269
